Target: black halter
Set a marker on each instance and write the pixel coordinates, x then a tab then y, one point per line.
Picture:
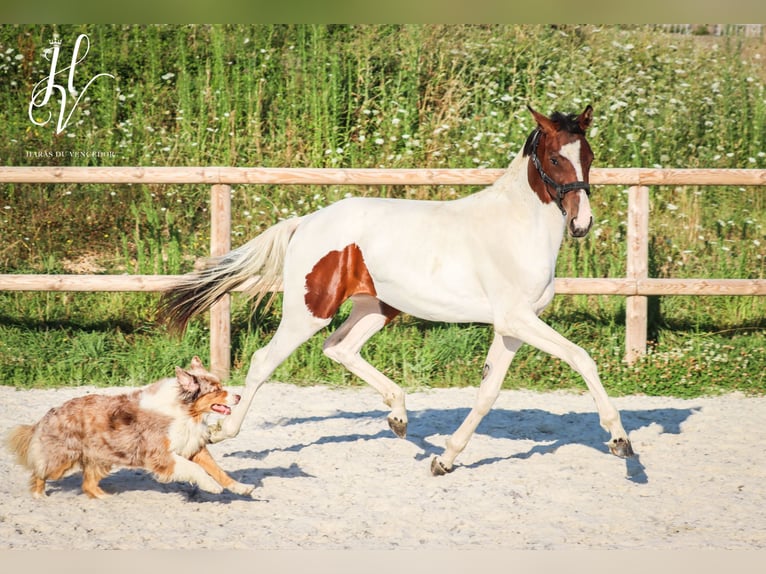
561	190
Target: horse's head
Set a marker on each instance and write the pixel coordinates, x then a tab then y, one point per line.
559	166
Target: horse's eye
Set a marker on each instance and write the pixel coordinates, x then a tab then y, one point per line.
554	161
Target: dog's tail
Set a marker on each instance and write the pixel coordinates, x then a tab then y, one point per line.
18	441
259	260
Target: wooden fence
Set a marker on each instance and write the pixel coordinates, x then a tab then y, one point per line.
636	286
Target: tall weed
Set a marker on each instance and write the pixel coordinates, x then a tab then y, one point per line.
376	96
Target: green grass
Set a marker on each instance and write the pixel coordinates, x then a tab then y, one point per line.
381	96
60	349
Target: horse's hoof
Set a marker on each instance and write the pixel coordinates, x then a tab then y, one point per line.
398	426
215	433
438	468
621	447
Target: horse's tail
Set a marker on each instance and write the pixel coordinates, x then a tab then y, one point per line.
259	260
18	441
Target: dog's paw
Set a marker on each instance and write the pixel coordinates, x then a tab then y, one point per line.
210	486
240	488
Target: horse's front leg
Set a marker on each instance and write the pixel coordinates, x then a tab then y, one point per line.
499	358
532	330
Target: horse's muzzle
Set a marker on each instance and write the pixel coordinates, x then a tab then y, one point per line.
577	230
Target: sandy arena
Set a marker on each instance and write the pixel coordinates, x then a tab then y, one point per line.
329	474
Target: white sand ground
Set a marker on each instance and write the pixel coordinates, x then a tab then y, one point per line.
331	475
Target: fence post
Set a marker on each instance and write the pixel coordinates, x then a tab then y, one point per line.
636	306
220	312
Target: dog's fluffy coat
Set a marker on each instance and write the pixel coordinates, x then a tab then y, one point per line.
161	428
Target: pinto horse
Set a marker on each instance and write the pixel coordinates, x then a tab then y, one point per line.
486	258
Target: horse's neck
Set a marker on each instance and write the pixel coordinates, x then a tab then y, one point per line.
514	184
515	175
541	222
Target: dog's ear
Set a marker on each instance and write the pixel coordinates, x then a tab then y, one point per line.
186	381
196	363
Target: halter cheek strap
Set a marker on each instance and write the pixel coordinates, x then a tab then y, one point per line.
561	189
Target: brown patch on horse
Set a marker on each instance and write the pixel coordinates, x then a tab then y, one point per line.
336	277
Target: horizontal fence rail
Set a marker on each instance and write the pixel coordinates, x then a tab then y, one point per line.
564	285
364	176
636	286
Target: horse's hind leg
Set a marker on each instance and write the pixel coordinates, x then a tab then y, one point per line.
368	316
296	327
499	358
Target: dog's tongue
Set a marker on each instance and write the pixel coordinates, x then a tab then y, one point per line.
221	409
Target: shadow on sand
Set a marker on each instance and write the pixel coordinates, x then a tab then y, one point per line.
548	431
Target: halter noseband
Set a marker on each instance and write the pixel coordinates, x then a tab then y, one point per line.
561	189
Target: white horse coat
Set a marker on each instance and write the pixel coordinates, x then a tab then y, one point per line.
486	258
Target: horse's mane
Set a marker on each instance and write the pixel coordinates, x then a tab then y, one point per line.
565	122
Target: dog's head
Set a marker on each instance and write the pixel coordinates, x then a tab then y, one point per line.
201	391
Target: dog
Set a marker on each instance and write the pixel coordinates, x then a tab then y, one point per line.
162	428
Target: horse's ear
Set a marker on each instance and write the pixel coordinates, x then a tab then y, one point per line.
544	122
586	118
